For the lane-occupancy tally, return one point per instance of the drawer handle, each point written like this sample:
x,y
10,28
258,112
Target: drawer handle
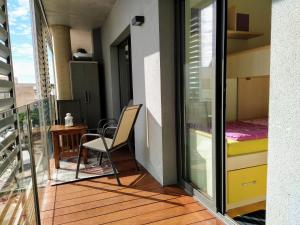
x,y
249,183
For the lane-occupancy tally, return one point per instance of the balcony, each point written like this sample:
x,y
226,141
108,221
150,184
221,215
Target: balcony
x,y
27,196
32,190
140,200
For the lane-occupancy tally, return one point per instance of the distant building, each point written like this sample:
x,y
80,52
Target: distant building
x,y
25,93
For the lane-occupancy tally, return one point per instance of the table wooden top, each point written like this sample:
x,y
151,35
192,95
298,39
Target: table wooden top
x,y
58,128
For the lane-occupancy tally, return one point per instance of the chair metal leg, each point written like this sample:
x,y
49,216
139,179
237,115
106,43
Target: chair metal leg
x,y
78,162
101,157
132,155
114,168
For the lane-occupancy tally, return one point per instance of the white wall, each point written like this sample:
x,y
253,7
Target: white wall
x,y
283,193
81,39
153,80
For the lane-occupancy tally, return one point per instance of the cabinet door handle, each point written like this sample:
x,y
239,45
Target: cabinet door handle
x,y
249,183
86,97
89,96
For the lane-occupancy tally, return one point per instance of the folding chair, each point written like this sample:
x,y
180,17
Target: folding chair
x,y
103,124
121,138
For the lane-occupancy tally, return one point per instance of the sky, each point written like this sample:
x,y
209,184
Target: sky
x,y
21,40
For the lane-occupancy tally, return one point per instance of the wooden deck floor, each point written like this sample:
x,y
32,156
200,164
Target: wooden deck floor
x,y
140,200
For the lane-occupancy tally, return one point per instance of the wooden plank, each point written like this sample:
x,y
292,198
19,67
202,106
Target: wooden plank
x,y
6,207
249,63
96,197
253,97
108,188
145,213
208,222
145,198
104,202
247,209
142,178
189,218
140,200
231,99
231,18
243,35
13,216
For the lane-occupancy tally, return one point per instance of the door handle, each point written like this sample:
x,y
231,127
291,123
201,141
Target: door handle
x,y
89,97
249,183
86,100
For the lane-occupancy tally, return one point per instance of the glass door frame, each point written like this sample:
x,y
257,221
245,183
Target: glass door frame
x,y
218,203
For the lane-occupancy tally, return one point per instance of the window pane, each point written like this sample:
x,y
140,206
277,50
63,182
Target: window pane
x,y
199,74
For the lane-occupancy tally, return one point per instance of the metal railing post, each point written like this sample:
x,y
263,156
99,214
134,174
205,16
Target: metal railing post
x,y
33,171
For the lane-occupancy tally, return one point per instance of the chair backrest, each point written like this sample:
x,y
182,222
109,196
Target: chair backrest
x,y
69,106
126,122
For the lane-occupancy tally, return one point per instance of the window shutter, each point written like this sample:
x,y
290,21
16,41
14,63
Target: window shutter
x,y
8,133
10,160
7,97
41,40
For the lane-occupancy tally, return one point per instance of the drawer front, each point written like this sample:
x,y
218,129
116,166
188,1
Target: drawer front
x,y
246,184
235,148
245,161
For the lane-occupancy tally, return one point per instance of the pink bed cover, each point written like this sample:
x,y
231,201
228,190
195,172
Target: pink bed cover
x,y
247,130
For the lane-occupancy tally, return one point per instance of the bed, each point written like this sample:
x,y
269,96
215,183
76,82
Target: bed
x,y
245,137
246,161
246,145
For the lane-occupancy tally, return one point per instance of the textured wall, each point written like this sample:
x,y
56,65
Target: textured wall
x,y
283,194
62,56
153,79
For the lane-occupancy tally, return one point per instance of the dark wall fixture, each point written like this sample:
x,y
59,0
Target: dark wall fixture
x,y
137,20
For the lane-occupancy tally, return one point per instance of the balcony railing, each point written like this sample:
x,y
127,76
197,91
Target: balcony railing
x,y
24,164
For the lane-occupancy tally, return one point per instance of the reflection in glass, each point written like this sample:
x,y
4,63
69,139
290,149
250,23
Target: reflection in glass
x,y
23,150
16,190
199,28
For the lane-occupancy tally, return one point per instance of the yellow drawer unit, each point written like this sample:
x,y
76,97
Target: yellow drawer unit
x,y
246,185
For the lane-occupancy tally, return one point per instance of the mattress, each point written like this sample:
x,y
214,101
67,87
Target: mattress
x,y
246,137
242,137
241,131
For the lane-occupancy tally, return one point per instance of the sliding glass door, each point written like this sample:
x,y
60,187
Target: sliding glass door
x,y
201,101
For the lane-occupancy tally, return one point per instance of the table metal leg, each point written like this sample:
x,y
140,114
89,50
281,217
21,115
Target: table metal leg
x,y
56,150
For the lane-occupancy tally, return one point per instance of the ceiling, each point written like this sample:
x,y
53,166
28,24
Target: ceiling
x,y
78,14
